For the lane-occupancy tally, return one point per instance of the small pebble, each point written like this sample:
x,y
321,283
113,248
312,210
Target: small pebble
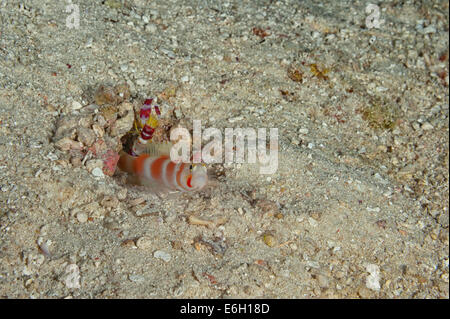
x,y
429,29
313,264
162,255
97,172
269,240
75,161
137,201
52,157
76,105
123,67
427,126
144,243
122,194
72,280
94,163
150,28
136,278
86,136
177,113
66,144
28,283
303,131
197,221
27,271
98,130
363,292
312,222
141,82
169,53
323,281
416,126
82,217
124,124
373,280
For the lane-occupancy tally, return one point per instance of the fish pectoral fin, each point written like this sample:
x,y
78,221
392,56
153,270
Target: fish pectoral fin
x,y
134,180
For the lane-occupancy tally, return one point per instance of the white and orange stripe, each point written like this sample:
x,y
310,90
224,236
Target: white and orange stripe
x,y
160,170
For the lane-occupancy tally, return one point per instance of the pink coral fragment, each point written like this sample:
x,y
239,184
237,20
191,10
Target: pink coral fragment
x,y
110,160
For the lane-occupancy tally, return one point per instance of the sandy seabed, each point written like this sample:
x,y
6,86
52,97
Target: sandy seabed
x,y
358,207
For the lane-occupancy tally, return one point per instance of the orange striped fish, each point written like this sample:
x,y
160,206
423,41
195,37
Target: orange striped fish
x,y
162,174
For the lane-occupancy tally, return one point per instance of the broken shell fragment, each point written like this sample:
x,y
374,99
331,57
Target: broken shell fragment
x,y
269,240
124,124
66,144
105,95
197,221
86,136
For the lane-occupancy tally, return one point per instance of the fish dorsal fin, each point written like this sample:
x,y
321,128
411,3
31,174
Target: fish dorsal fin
x,y
157,149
